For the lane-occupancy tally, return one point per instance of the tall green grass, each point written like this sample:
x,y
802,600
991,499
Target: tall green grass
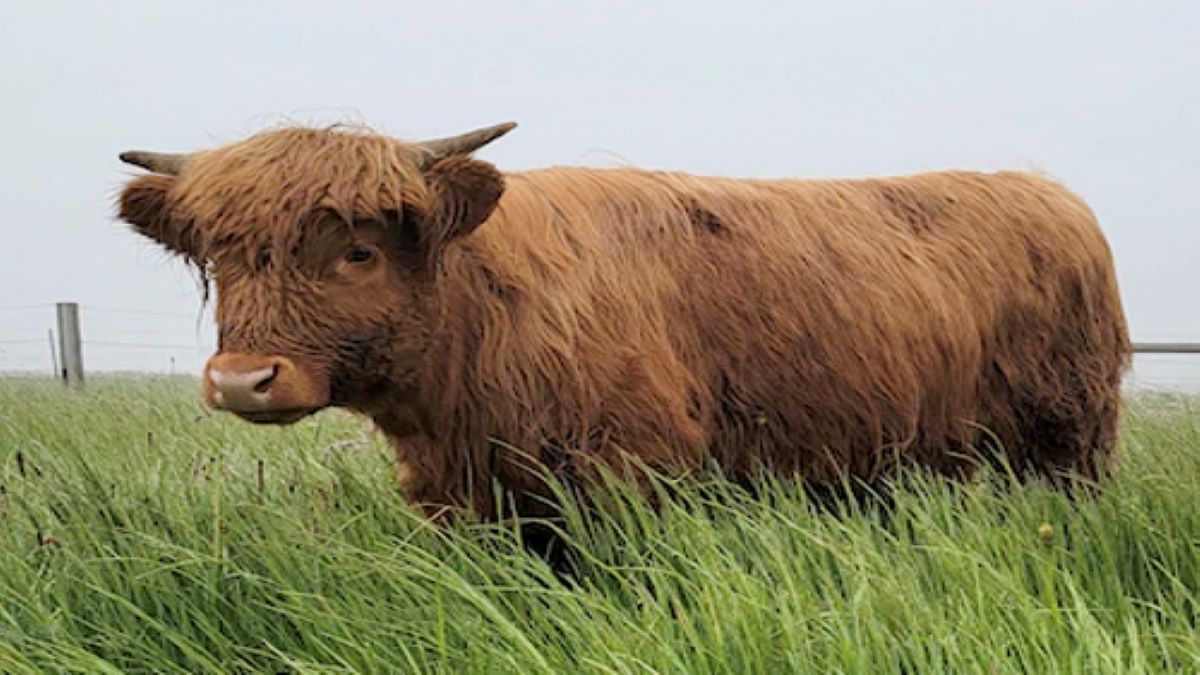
x,y
139,533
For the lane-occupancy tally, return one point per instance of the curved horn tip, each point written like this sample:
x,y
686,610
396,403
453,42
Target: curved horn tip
x,y
499,130
134,157
157,162
466,143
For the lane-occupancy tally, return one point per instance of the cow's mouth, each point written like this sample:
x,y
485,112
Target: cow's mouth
x,y
275,416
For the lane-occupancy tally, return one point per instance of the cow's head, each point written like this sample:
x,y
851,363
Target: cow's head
x,y
323,245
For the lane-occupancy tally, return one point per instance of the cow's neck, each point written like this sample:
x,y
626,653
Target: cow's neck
x,y
465,312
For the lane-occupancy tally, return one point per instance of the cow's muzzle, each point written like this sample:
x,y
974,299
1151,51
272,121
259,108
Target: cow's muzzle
x,y
266,389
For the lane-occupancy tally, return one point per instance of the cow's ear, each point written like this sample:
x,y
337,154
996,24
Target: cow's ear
x,y
143,204
463,193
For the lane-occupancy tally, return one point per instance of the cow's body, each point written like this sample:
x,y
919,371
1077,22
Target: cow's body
x,y
821,328
825,329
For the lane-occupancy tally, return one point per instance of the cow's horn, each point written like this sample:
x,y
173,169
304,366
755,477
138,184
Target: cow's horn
x,y
463,144
158,162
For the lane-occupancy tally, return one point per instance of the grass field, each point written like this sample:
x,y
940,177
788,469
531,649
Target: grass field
x,y
140,534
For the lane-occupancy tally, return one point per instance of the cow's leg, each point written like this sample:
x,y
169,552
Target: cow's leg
x,y
1076,439
425,484
1068,430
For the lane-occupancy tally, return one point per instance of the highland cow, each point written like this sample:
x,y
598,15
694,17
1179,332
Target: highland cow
x,y
498,326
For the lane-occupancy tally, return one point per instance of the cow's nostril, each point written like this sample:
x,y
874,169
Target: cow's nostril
x,y
264,384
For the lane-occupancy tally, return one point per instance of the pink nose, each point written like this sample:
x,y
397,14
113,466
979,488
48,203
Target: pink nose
x,y
244,382
264,388
243,390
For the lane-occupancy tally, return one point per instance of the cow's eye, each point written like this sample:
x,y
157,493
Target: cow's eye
x,y
359,254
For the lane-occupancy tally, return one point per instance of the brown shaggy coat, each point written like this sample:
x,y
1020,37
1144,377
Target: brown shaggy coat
x,y
820,328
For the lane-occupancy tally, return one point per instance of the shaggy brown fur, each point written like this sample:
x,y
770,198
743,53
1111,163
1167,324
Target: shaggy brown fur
x,y
821,328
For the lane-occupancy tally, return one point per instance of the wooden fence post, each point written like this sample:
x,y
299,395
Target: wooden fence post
x,y
70,344
53,352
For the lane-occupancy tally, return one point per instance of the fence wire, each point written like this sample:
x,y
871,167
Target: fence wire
x,y
1176,353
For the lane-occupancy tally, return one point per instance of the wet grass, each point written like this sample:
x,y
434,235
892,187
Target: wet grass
x,y
139,534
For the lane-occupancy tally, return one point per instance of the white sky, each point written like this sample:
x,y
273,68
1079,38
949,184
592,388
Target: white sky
x,y
1103,95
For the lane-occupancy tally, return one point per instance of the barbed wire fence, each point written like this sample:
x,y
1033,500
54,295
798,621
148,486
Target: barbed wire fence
x,y
167,345
114,338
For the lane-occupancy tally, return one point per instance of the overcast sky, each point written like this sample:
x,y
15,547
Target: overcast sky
x,y
1103,95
